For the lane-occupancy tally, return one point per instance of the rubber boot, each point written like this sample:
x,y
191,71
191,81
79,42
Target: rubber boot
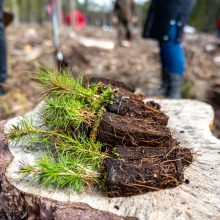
x,y
163,90
174,86
2,91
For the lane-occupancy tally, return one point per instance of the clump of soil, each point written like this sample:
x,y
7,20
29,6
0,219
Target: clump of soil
x,y
133,131
128,104
148,157
214,100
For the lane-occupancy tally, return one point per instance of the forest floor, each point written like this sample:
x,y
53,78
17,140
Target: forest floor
x,y
30,45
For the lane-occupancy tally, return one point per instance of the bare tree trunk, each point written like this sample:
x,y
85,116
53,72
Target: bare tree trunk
x,y
14,4
72,8
28,9
60,12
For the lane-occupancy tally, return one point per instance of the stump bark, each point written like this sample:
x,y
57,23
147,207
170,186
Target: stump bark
x,y
198,198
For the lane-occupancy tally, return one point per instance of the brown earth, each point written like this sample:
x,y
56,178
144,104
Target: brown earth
x,y
144,155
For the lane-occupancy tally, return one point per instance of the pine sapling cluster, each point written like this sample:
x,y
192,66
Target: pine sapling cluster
x,y
67,133
93,134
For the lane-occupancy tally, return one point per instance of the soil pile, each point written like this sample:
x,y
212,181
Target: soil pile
x,y
148,157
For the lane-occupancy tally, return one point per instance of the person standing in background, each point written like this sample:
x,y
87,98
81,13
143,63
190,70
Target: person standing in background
x,y
165,23
124,15
3,52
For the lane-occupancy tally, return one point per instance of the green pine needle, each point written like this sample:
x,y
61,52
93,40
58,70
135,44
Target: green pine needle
x,y
64,111
61,172
70,113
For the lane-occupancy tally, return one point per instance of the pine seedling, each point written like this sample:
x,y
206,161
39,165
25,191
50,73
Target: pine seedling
x,y
61,172
82,147
25,130
60,83
54,83
64,112
70,111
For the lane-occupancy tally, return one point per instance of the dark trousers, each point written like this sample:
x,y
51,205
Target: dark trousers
x,y
172,54
3,53
124,31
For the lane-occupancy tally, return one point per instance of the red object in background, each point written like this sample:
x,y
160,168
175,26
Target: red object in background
x,y
218,22
79,19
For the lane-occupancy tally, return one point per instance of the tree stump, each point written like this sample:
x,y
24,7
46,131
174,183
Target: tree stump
x,y
198,198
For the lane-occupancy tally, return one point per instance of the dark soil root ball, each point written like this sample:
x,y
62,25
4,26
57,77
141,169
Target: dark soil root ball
x,y
129,104
113,83
127,178
138,153
186,155
143,154
153,104
214,94
132,132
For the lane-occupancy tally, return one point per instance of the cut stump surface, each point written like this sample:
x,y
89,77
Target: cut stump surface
x,y
198,198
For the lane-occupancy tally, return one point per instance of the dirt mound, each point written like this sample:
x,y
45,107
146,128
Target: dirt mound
x,y
144,169
145,156
126,178
128,104
132,131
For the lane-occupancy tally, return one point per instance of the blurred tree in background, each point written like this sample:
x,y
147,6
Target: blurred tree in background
x,y
205,14
27,10
203,17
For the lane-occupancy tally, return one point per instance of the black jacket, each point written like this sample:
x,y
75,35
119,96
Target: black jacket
x,y
160,15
